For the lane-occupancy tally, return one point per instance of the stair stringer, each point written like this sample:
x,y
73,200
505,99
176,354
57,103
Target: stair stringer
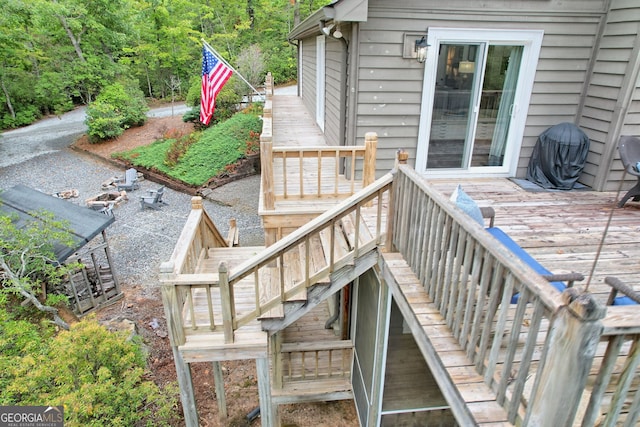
x,y
319,292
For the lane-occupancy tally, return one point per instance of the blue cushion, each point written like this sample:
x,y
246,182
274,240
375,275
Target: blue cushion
x,y
623,301
467,204
524,256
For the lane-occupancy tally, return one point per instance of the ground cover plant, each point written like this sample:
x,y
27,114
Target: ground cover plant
x,y
195,158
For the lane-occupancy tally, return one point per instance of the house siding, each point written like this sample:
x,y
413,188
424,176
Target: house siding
x,y
611,101
390,87
334,97
308,89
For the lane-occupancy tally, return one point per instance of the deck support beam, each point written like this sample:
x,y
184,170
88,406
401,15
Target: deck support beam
x,y
187,394
218,380
268,410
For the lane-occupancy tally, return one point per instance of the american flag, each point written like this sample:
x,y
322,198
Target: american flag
x,y
214,75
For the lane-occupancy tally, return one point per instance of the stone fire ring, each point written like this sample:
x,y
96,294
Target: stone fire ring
x,y
106,198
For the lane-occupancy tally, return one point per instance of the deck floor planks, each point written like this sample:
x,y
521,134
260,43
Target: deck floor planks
x,y
563,229
477,395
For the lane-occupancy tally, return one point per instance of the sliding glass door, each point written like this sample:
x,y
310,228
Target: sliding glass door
x,y
476,93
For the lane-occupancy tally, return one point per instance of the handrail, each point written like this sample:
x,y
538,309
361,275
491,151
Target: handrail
x,y
198,232
277,255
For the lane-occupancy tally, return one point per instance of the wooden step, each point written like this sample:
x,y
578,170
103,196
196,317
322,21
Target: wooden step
x,y
232,256
348,225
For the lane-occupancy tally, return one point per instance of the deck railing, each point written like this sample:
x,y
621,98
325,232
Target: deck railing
x,y
311,172
275,275
315,360
534,354
315,172
198,235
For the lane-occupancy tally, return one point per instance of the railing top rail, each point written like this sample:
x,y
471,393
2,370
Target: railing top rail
x,y
622,320
323,149
525,274
273,252
180,251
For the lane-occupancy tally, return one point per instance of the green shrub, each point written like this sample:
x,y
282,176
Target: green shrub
x,y
118,107
103,121
216,148
24,116
99,376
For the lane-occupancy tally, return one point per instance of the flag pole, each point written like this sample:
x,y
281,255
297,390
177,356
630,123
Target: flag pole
x,y
208,46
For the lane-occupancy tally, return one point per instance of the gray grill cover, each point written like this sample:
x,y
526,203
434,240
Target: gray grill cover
x,y
558,157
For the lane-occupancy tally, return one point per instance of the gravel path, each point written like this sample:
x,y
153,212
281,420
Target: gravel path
x,y
139,240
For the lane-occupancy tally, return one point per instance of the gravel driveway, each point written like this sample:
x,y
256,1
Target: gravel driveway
x,y
139,240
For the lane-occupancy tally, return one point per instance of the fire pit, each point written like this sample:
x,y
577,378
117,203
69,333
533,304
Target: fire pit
x,y
107,199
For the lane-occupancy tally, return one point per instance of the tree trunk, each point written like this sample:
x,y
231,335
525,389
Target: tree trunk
x,y
8,98
74,41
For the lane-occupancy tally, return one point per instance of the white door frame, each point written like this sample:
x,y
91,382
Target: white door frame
x,y
531,40
320,80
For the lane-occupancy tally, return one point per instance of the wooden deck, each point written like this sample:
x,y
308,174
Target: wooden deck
x,y
447,278
302,177
563,229
483,349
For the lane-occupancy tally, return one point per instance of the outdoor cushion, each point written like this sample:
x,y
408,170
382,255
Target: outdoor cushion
x,y
524,256
623,300
467,204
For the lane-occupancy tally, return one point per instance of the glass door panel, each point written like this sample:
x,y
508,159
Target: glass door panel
x,y
453,114
496,105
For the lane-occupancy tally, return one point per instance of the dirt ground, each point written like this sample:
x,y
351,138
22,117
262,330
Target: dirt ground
x,y
240,376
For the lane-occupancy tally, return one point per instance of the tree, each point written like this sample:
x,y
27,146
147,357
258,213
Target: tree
x,y
28,262
118,107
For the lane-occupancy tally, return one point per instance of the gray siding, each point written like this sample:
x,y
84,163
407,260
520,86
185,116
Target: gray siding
x,y
309,74
611,101
390,87
334,96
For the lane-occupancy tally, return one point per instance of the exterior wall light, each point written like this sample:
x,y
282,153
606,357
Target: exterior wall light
x,y
421,49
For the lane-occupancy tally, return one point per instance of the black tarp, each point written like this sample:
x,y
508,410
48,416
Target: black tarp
x,y
558,157
84,223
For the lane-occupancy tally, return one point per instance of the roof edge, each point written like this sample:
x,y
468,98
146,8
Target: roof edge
x,y
338,11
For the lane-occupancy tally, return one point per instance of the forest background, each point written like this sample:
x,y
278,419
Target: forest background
x,y
57,54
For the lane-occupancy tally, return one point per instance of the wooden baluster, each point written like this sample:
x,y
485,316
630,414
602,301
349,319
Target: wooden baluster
x,y
301,172
284,175
212,322
336,189
319,192
352,178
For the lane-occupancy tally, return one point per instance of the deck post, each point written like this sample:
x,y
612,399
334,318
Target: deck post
x,y
569,351
187,393
266,164
369,167
268,410
391,212
172,311
268,83
218,379
226,300
276,357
